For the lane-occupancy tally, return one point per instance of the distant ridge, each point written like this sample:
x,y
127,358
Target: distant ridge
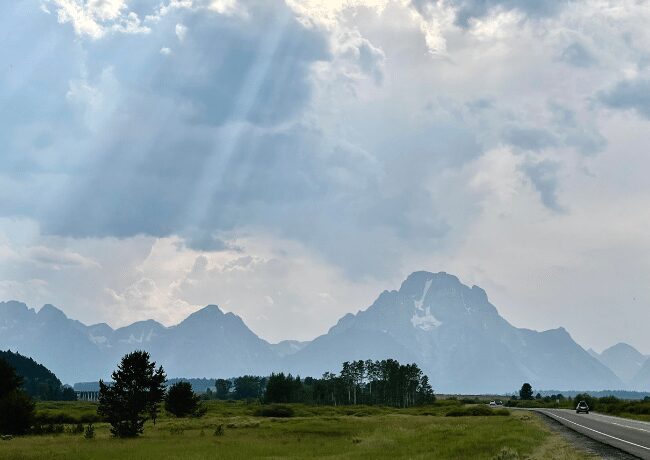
x,y
451,330
625,360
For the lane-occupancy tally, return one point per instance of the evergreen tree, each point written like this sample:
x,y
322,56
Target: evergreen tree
x,y
526,392
9,379
181,401
16,406
68,394
134,395
279,388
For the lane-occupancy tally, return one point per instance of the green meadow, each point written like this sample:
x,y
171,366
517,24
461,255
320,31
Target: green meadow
x,y
232,430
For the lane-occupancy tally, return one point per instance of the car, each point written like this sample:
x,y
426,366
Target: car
x,y
493,404
582,407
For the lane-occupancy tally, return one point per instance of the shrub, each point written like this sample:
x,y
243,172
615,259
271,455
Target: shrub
x,y
176,430
48,429
476,411
219,431
244,424
76,429
182,402
89,433
60,418
274,411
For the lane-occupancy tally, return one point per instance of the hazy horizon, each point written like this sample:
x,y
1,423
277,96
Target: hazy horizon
x,y
290,160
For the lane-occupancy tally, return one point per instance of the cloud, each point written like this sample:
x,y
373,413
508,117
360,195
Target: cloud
x,y
204,241
529,138
543,176
265,120
578,55
94,18
629,95
466,10
56,259
359,51
181,32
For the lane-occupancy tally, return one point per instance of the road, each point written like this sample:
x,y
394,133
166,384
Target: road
x,y
630,436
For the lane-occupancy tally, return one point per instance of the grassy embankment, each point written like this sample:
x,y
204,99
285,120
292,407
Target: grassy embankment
x,y
313,432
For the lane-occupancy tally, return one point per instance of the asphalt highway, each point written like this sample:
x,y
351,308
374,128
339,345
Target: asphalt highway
x,y
630,436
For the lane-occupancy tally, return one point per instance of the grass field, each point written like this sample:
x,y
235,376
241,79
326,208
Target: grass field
x,y
314,432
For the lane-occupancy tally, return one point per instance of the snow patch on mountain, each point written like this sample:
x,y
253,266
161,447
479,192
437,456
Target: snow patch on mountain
x,y
97,339
425,322
418,303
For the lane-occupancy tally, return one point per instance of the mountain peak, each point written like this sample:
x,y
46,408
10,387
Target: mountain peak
x,y
15,309
210,309
50,312
417,279
209,314
625,360
621,347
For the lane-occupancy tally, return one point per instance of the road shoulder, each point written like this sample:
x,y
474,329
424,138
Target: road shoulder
x,y
584,443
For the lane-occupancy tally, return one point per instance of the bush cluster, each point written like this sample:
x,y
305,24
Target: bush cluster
x,y
274,410
476,411
61,418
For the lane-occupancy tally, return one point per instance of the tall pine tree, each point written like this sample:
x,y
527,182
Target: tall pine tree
x,y
134,396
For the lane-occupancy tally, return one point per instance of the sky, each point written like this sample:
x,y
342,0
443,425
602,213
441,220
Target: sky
x,y
290,160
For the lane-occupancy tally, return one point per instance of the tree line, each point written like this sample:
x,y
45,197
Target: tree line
x,y
385,382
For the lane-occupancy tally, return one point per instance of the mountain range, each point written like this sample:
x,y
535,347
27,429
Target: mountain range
x,y
630,365
449,329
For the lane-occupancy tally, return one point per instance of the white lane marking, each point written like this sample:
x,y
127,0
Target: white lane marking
x,y
596,431
639,422
620,424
